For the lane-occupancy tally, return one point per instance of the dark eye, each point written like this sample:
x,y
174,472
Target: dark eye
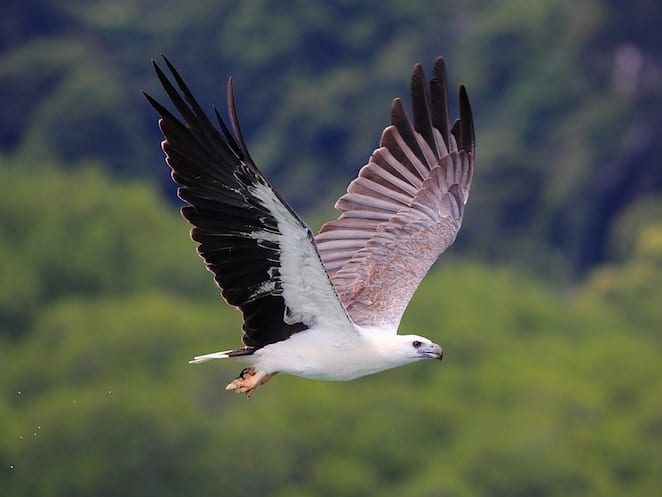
x,y
416,344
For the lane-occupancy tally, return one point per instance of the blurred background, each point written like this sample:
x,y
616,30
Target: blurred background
x,y
549,305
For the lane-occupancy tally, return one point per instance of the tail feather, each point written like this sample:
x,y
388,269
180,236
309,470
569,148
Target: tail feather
x,y
223,355
208,357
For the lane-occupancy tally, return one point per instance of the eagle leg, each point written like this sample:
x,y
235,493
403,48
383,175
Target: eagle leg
x,y
248,381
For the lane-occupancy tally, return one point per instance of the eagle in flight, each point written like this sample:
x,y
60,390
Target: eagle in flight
x,y
323,306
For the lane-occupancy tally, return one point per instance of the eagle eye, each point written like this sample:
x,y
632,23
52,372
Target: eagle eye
x,y
416,344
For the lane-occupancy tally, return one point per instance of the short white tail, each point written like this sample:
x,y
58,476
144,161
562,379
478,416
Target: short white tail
x,y
208,357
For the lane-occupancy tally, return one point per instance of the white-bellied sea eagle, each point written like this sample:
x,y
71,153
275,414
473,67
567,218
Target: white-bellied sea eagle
x,y
326,306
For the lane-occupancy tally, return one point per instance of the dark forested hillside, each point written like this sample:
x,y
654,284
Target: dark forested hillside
x,y
566,97
548,305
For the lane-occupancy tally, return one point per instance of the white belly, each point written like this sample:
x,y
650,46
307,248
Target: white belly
x,y
319,354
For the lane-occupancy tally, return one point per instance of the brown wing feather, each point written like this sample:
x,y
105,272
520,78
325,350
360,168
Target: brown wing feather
x,y
405,207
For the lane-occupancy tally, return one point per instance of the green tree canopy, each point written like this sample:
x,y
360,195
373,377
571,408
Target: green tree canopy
x,y
74,233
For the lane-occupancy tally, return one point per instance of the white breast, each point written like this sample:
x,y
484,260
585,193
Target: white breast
x,y
318,353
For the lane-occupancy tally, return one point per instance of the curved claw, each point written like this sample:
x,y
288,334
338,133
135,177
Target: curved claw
x,y
248,381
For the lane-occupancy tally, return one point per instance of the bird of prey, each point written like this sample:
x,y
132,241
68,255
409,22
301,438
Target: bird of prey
x,y
323,306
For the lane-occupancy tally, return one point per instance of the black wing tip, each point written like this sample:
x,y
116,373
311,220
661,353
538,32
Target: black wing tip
x,y
463,128
431,110
418,70
439,67
157,68
155,64
467,122
397,105
153,102
439,100
171,67
439,75
164,57
234,122
420,100
163,112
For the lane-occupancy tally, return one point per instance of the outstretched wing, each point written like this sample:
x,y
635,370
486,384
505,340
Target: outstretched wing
x,y
405,208
262,255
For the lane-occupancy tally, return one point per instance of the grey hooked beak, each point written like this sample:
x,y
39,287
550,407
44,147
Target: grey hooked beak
x,y
432,351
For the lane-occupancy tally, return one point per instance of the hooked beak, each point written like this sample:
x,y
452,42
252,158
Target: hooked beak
x,y
432,351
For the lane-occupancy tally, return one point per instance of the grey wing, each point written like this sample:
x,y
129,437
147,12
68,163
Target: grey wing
x,y
404,208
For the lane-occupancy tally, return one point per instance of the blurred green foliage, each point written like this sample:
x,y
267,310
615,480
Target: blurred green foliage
x,y
538,394
75,233
566,96
545,390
